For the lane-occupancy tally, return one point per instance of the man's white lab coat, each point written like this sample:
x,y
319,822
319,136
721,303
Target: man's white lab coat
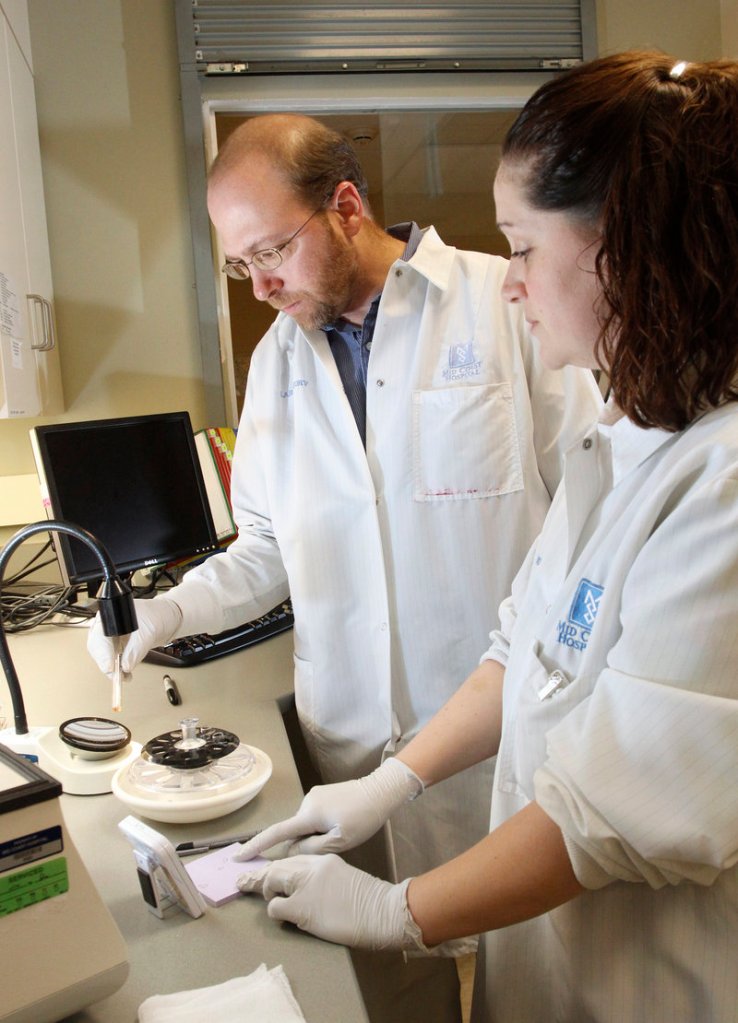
x,y
396,558
631,595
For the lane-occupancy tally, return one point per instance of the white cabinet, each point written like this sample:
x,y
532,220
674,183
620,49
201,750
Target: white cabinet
x,y
30,377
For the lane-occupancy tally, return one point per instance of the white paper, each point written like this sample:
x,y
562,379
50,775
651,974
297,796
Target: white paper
x,y
265,996
11,314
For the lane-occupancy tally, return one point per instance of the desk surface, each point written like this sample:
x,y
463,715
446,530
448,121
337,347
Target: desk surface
x,y
237,692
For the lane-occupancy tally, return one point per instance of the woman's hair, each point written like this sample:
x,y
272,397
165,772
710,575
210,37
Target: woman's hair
x,y
646,150
311,157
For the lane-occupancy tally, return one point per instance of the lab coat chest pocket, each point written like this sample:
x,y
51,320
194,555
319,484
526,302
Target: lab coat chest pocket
x,y
544,695
465,443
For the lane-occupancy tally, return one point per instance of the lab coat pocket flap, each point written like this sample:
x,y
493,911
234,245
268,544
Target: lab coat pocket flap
x,y
465,443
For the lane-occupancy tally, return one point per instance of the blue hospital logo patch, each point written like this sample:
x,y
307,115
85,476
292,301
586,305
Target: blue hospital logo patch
x,y
574,632
462,362
585,604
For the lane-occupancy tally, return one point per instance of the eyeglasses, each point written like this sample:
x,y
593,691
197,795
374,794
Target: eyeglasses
x,y
264,259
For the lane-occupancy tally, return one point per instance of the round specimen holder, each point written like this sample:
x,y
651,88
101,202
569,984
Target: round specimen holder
x,y
92,738
192,773
192,747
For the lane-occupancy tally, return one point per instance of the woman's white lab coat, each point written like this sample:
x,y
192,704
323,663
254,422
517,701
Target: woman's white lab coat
x,y
631,595
396,558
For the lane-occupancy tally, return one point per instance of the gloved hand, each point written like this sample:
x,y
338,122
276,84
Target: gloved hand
x,y
158,621
337,902
335,817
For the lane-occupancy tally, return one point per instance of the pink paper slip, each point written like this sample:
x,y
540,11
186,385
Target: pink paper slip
x,y
216,874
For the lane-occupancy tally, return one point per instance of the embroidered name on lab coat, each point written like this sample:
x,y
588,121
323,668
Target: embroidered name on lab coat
x,y
575,631
295,383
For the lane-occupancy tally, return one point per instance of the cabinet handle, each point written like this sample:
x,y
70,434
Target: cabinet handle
x,y
47,319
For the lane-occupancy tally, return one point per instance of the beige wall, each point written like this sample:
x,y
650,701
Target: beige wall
x,y
111,142
689,29
729,21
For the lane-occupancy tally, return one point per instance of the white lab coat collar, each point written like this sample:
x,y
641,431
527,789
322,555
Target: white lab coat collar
x,y
432,259
630,445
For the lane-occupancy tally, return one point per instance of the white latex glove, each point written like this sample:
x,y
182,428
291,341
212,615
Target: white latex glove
x,y
158,621
337,902
335,817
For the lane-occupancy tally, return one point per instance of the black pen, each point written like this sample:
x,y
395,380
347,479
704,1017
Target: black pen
x,y
192,848
170,688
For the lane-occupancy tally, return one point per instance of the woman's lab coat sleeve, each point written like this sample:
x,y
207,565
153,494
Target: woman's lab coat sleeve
x,y
500,639
249,578
641,776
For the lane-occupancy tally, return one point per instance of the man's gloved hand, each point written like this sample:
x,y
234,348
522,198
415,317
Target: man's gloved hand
x,y
335,817
158,621
329,898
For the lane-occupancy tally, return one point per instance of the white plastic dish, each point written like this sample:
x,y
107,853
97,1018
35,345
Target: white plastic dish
x,y
191,807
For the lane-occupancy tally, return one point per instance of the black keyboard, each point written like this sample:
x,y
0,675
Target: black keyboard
x,y
181,653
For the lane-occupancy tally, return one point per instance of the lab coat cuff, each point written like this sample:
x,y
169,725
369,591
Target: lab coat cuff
x,y
200,609
592,872
498,650
588,872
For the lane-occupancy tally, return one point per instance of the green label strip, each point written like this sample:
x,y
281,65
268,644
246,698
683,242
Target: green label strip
x,y
27,887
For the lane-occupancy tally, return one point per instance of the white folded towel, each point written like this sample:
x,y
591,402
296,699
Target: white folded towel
x,y
263,995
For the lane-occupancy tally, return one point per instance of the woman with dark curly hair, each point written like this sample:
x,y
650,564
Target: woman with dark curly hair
x,y
608,886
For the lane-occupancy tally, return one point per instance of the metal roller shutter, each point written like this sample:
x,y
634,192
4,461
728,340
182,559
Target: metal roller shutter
x,y
251,37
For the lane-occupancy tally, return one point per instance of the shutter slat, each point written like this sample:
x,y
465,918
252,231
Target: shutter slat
x,y
310,36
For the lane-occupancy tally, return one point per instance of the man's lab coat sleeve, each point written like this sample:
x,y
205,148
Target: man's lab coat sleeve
x,y
249,578
641,775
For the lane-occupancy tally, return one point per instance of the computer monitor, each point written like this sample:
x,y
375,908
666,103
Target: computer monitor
x,y
135,483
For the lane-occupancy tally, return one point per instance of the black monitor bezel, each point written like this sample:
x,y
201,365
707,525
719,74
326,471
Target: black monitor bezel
x,y
54,502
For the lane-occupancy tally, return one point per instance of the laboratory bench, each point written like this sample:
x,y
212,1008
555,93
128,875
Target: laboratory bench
x,y
241,692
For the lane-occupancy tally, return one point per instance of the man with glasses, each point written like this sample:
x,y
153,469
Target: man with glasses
x,y
399,447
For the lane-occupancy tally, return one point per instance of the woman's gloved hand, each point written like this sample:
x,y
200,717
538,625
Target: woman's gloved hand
x,y
335,817
329,898
158,621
